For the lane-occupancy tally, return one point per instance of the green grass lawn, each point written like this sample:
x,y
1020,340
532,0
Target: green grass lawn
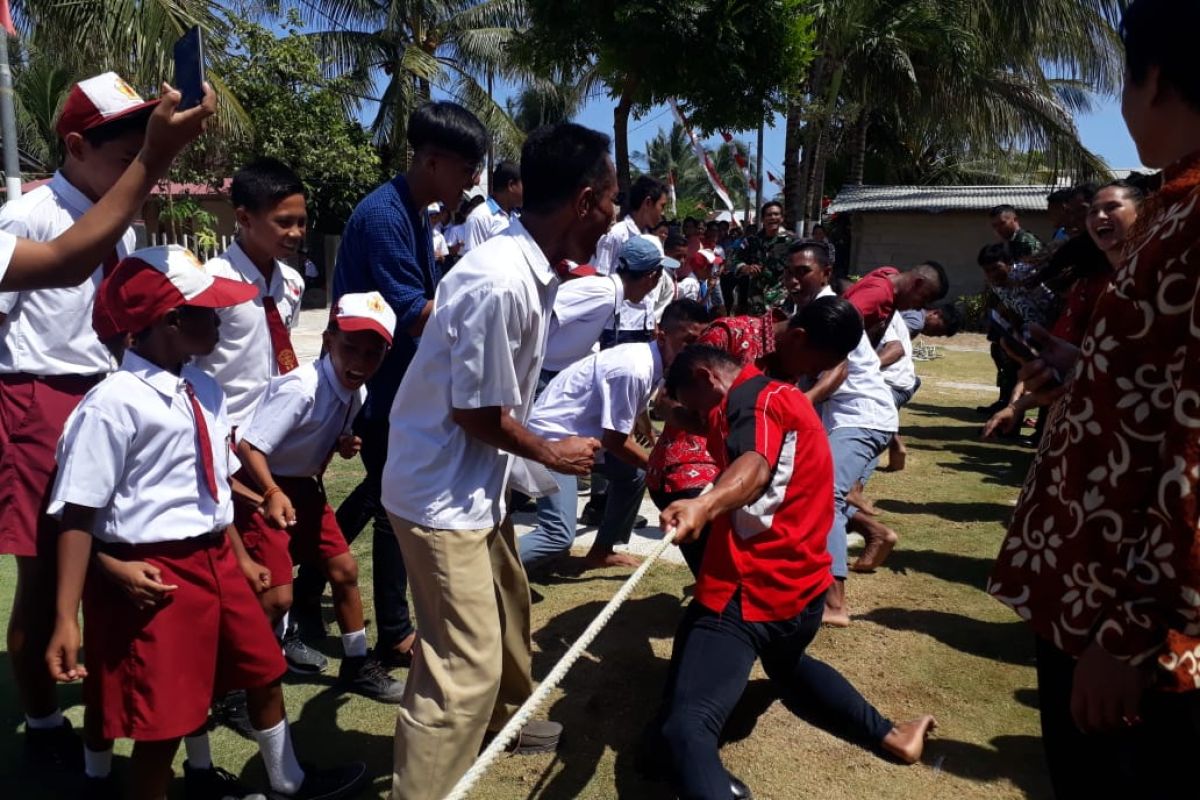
x,y
925,639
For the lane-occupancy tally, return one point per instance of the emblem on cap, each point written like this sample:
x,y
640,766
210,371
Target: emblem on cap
x,y
125,89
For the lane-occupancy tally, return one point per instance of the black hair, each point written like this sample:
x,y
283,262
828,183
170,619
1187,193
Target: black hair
x,y
110,131
1159,33
820,250
1058,196
693,356
662,224
712,225
643,189
934,269
448,126
684,312
818,227
675,240
262,183
559,160
832,324
951,317
1132,191
506,172
769,204
690,221
1003,208
991,253
724,224
1088,190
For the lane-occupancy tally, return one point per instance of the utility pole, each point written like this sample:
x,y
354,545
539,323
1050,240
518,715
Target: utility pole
x,y
491,154
8,125
758,202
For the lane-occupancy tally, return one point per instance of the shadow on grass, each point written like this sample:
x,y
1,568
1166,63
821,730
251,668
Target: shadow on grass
x,y
1018,759
966,414
998,465
950,567
1009,642
954,512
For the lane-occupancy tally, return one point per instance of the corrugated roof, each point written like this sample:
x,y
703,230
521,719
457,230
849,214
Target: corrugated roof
x,y
936,199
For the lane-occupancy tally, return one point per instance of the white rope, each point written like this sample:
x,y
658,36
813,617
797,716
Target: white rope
x,y
539,696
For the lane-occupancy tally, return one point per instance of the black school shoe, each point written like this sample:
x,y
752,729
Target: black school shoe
x,y
231,711
538,736
301,659
58,749
214,783
365,675
327,784
740,790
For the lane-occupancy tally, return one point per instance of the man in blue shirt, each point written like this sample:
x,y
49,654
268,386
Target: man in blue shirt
x,y
387,247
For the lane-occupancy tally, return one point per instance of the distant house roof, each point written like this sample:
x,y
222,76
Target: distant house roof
x,y
936,199
194,189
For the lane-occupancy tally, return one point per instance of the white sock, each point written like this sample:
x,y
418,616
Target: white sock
x,y
97,763
354,644
54,720
281,626
199,754
283,770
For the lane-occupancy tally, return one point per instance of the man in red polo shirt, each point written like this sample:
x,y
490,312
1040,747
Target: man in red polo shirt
x,y
762,582
884,291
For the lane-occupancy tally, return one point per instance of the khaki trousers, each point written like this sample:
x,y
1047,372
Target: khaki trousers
x,y
471,665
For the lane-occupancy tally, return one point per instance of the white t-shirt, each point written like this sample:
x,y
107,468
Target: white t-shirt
x,y
243,362
903,373
663,295
301,417
605,391
863,400
482,347
8,243
49,331
485,221
583,309
129,450
440,248
609,246
692,288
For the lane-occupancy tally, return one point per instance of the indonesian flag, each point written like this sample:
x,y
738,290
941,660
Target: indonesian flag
x,y
771,177
671,192
742,161
6,18
710,169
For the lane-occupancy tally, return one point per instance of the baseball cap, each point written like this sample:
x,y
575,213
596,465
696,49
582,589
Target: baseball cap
x,y
644,253
100,100
365,311
580,270
150,282
704,258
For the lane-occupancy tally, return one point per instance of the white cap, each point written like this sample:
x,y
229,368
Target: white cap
x,y
365,311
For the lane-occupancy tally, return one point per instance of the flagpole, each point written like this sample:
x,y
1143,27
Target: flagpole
x,y
758,203
8,125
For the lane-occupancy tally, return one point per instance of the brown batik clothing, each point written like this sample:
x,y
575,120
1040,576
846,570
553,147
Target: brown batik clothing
x,y
1104,542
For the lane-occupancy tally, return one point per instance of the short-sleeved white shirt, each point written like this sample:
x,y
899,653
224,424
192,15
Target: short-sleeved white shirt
x,y
300,418
49,331
901,374
864,399
129,450
605,391
709,296
485,221
244,361
609,246
583,309
8,243
482,347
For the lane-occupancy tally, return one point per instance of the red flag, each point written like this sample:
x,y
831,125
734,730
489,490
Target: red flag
x,y
6,18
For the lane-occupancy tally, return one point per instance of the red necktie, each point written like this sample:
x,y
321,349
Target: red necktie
x,y
281,343
203,443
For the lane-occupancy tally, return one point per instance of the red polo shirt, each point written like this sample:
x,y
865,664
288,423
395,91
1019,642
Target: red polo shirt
x,y
773,550
875,298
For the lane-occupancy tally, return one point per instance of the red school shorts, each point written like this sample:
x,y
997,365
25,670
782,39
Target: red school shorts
x,y
33,412
314,539
153,674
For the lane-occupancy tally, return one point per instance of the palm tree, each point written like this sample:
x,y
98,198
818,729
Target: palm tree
x,y
40,86
543,103
670,154
456,46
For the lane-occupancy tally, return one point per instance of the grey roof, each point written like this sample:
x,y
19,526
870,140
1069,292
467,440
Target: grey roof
x,y
936,199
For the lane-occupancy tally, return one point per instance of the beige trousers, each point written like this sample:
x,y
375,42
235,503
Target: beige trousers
x,y
471,665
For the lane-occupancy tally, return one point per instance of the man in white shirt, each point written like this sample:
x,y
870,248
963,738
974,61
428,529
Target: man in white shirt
x,y
702,284
647,200
492,216
602,396
457,421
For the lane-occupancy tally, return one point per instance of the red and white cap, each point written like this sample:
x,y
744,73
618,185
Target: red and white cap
x,y
365,311
704,258
100,100
150,282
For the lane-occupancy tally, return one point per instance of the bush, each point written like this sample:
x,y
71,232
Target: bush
x,y
973,308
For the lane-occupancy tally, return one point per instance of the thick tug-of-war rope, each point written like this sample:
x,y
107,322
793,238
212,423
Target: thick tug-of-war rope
x,y
509,732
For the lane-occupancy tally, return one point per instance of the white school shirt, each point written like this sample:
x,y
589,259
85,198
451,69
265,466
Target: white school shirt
x,y
605,391
49,331
482,347
244,361
583,309
8,243
129,451
440,248
863,400
609,246
902,374
485,221
710,297
301,417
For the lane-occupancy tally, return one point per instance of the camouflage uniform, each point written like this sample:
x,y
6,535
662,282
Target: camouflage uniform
x,y
754,294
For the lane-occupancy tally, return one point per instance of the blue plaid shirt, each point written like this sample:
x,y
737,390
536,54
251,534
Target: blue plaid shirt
x,y
388,247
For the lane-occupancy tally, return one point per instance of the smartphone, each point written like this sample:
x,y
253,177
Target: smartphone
x,y
1000,330
189,67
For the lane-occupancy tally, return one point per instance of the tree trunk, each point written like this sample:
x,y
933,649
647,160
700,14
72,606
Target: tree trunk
x,y
621,139
858,158
793,179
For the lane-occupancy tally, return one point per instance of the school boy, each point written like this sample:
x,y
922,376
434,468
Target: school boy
x,y
144,473
302,419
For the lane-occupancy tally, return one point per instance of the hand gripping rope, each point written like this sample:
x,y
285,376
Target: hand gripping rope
x,y
539,696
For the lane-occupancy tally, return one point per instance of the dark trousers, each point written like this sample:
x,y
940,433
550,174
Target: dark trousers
x,y
1148,761
1006,372
693,552
710,665
388,576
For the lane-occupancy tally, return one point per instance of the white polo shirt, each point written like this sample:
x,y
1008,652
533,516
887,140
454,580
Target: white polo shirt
x,y
8,243
609,246
301,417
583,309
49,331
863,400
605,391
482,347
903,373
485,221
244,360
129,450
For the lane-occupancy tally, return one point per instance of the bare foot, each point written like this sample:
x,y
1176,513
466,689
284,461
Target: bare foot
x,y
835,617
897,455
881,540
836,613
602,560
855,498
906,741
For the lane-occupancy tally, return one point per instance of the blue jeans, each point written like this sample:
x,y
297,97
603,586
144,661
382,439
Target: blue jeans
x,y
900,397
853,450
555,531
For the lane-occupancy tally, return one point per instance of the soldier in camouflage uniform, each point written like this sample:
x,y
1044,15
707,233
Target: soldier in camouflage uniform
x,y
759,264
1007,225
